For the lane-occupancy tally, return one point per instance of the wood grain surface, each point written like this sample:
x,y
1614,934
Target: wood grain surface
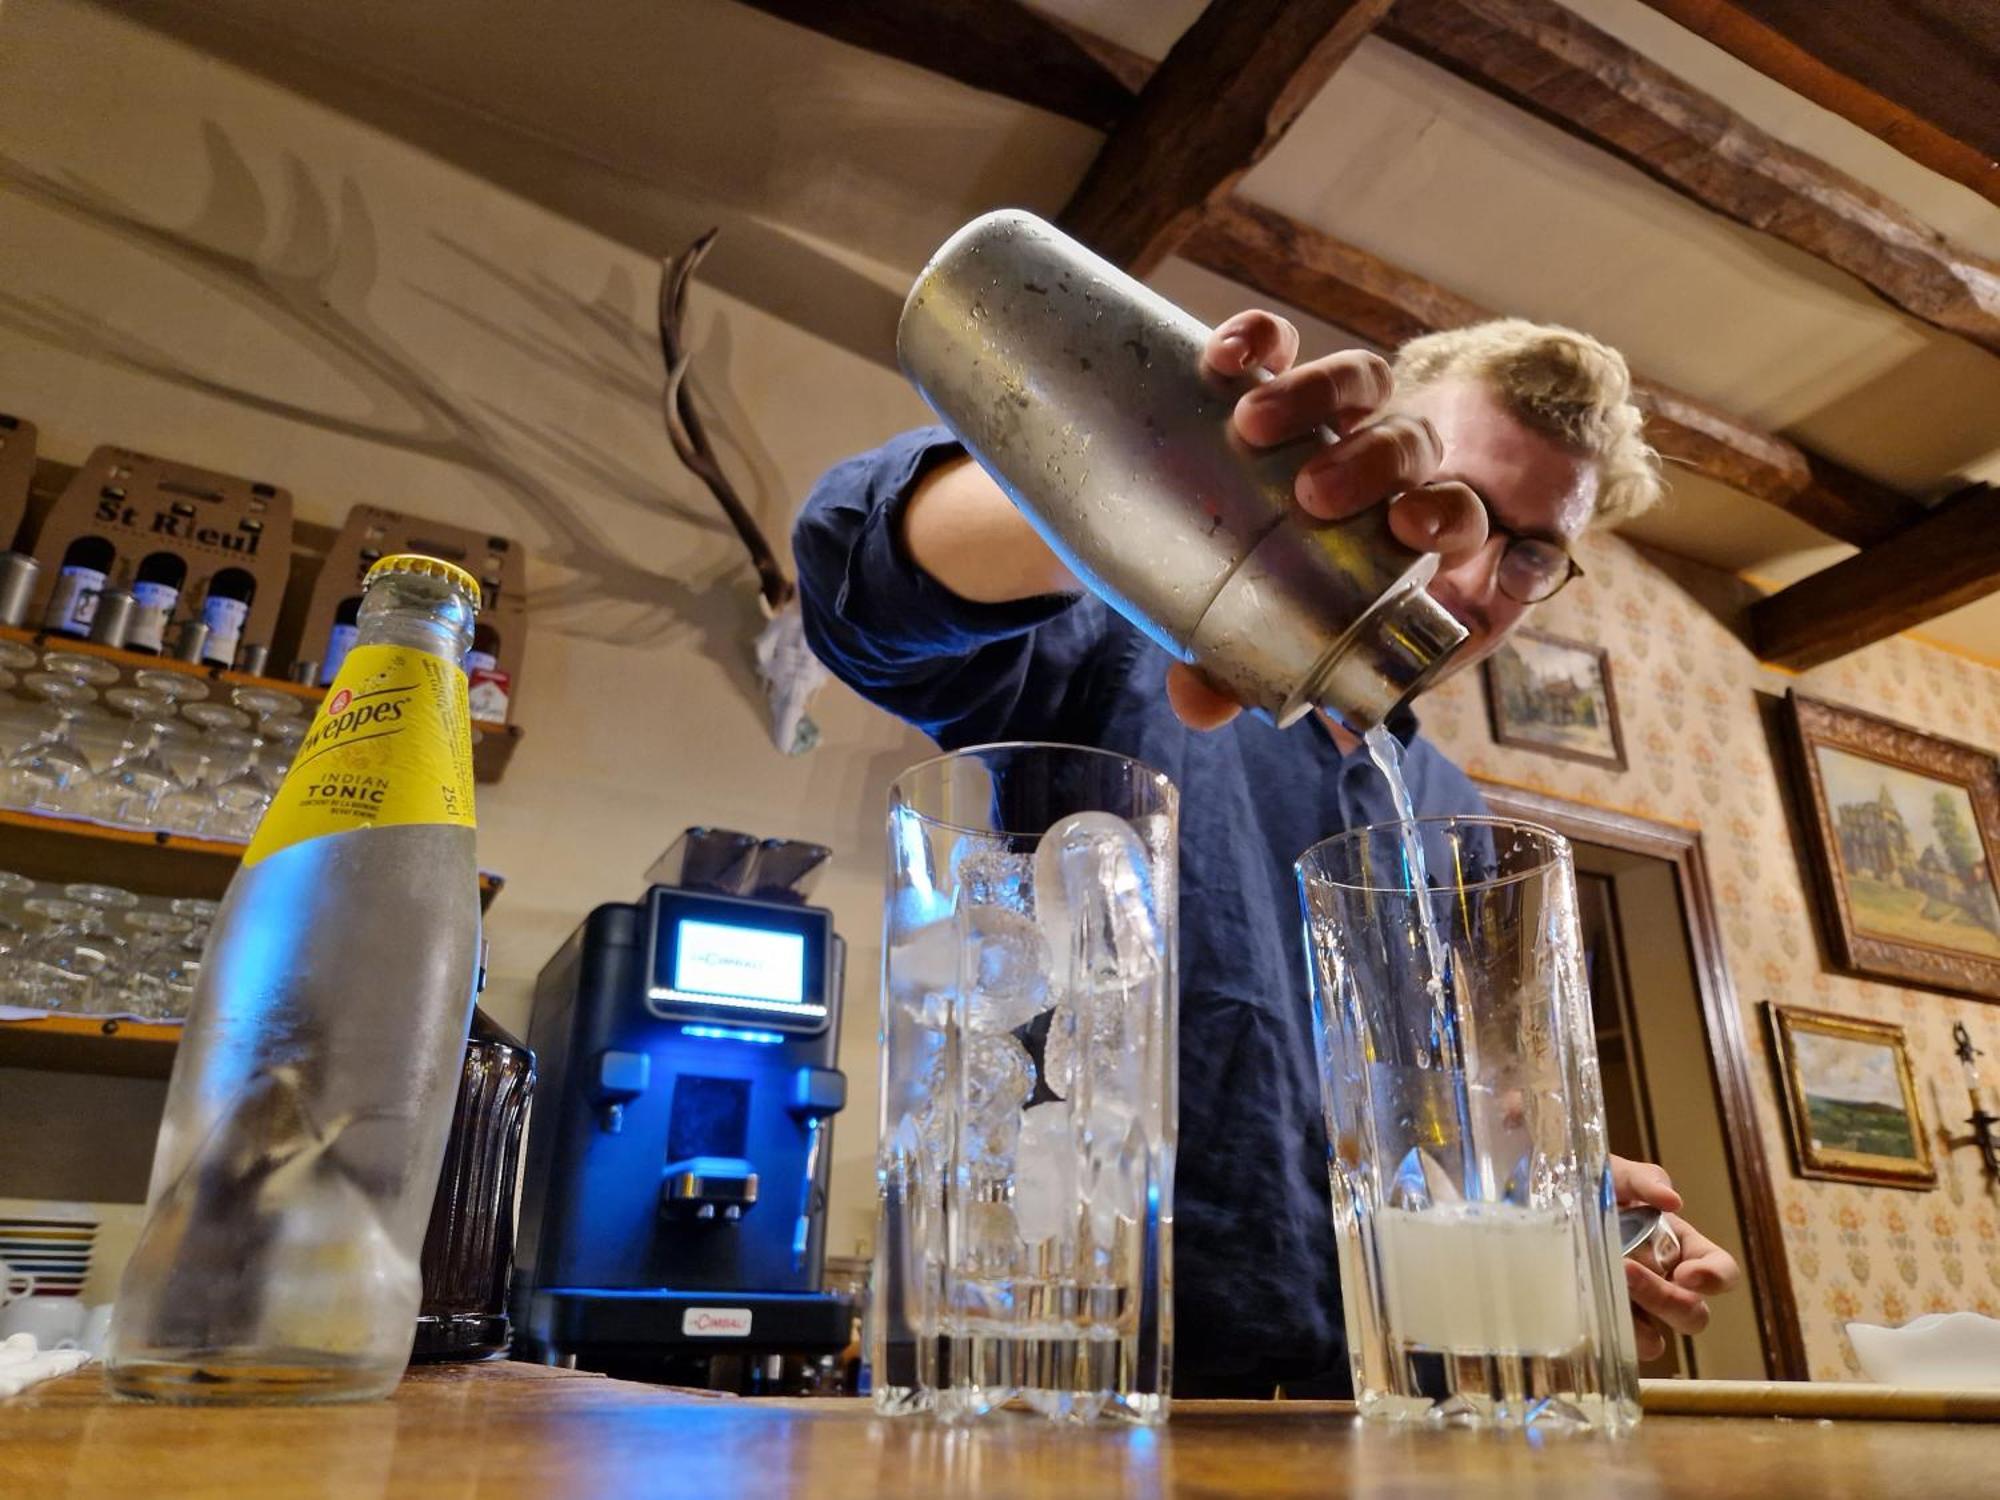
x,y
514,1432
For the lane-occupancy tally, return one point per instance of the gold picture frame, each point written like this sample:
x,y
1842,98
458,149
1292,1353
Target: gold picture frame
x,y
1902,896
1851,1100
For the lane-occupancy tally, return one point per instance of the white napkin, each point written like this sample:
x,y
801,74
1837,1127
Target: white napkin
x,y
24,1363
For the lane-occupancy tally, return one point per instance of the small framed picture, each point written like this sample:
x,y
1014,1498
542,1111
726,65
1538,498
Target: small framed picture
x,y
1553,695
1901,831
1850,1099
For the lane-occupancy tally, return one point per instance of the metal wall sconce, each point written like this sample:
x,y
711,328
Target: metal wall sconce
x,y
1983,1122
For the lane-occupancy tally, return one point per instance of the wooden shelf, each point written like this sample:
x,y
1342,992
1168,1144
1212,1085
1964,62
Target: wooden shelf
x,y
85,1044
492,743
147,864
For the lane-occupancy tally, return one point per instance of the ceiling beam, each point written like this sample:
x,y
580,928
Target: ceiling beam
x,y
1945,561
1551,62
1219,101
995,45
1297,263
1917,74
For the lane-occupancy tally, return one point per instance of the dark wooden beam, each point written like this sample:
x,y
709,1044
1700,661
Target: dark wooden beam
x,y
1278,256
1219,101
1945,561
996,45
1919,74
1548,60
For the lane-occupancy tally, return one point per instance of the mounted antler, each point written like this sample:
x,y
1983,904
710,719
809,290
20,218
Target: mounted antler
x,y
690,438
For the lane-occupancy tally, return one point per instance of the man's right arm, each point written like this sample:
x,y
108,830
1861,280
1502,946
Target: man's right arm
x,y
922,588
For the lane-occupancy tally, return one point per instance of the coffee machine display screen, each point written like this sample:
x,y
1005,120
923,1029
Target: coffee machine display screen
x,y
750,963
714,957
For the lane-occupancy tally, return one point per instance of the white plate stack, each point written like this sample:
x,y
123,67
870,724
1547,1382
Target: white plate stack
x,y
52,1245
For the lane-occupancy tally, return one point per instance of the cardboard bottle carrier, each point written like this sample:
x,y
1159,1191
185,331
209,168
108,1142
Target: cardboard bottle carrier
x,y
371,532
211,521
17,472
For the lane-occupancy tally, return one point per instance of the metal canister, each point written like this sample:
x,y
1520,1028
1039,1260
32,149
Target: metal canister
x,y
252,659
192,640
18,573
115,609
1082,392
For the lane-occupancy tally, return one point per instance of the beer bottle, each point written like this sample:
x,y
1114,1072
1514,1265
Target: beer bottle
x,y
312,1093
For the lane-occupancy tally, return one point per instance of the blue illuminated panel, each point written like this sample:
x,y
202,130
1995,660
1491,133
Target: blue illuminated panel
x,y
717,959
743,963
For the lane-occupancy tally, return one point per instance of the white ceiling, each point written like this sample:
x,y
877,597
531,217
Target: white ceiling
x,y
816,154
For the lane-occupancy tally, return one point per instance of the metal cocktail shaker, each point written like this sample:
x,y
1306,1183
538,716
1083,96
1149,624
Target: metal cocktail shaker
x,y
1082,392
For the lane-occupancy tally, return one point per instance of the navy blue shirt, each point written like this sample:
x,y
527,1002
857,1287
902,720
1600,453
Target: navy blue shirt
x,y
1257,1297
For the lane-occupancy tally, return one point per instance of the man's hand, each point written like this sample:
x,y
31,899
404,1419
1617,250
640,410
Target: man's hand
x,y
1380,457
1679,1300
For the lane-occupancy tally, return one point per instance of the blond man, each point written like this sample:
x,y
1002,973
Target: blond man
x,y
923,587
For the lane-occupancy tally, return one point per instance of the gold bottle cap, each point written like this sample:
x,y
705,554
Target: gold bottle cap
x,y
429,567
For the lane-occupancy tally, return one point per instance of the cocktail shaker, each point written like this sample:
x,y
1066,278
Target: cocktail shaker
x,y
1082,392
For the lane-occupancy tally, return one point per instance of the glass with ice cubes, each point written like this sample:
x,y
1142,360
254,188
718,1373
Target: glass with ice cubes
x,y
1028,1088
1473,1213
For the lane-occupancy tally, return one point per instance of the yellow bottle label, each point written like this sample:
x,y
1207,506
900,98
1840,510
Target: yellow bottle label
x,y
392,743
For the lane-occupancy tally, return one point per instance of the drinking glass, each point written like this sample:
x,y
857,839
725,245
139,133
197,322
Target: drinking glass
x,y
1473,1211
43,774
191,808
160,971
56,967
99,905
130,788
1028,1100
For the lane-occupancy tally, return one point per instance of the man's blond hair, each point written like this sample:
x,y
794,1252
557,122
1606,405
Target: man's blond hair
x,y
1559,382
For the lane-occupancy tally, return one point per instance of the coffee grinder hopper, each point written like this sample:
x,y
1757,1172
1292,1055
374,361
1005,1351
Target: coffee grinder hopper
x,y
740,864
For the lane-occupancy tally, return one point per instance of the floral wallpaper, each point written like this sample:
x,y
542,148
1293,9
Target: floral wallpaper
x,y
1688,694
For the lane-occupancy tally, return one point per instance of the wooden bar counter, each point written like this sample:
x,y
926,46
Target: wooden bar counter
x,y
501,1430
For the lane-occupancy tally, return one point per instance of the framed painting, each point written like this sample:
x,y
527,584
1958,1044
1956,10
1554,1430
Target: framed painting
x,y
1554,695
1850,1099
1901,829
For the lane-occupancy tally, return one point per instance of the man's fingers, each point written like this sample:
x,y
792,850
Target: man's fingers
x,y
1382,459
1446,518
1194,702
1648,1335
1682,1310
1249,340
1642,1182
1340,391
1704,1267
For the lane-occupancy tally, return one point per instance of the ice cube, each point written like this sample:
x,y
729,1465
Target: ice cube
x,y
987,873
1094,900
924,962
1108,1026
1114,1166
1006,968
988,1145
1045,1174
999,1076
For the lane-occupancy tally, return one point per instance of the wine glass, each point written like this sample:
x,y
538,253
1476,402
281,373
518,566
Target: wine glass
x,y
44,774
58,965
190,807
160,968
130,788
242,794
99,904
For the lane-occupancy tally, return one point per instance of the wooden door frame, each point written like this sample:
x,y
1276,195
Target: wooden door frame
x,y
1769,1271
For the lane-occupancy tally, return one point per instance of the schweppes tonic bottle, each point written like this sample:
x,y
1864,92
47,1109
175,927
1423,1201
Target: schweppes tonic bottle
x,y
313,1091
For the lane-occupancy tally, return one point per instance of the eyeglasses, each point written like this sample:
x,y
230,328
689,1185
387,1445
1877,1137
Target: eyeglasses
x,y
1532,569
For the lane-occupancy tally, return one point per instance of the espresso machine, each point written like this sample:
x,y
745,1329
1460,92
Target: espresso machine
x,y
674,1200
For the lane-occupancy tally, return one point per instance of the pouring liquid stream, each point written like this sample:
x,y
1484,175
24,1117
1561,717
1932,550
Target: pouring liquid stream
x,y
1447,1049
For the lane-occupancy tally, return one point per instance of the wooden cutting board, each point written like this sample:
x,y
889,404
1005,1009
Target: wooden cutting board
x,y
1799,1398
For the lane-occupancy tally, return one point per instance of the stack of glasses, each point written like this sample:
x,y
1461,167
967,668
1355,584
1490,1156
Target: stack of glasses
x,y
95,950
156,753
